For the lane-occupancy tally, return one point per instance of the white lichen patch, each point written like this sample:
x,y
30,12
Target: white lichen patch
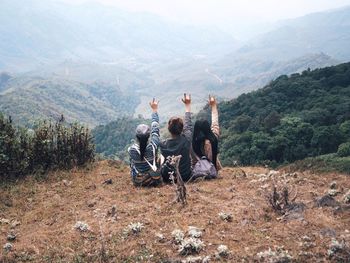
x,y
346,197
81,226
194,232
277,255
335,247
133,228
306,242
178,236
8,247
222,251
206,259
225,216
333,192
190,246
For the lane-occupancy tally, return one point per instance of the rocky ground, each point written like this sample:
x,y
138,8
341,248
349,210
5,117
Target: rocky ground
x,y
96,215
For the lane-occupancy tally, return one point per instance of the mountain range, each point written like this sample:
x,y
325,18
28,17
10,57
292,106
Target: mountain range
x,y
90,49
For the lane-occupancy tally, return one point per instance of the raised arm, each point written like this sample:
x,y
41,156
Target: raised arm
x,y
214,116
155,123
187,131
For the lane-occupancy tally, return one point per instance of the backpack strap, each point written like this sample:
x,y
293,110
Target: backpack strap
x,y
152,166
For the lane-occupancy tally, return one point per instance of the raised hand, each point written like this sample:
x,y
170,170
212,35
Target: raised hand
x,y
187,101
154,104
212,101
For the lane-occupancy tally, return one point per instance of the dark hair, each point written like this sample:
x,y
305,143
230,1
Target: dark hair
x,y
175,125
143,139
202,132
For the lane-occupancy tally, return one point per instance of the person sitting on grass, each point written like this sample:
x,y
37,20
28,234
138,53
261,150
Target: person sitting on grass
x,y
178,144
205,138
143,153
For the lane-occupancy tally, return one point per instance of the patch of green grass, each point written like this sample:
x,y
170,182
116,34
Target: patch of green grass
x,y
324,163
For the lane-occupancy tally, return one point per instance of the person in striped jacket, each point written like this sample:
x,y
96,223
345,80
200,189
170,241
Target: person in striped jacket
x,y
143,153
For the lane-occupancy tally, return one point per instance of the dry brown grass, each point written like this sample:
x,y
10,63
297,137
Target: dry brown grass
x,y
49,209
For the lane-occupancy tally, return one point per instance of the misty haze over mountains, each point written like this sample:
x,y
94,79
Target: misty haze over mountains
x,y
51,48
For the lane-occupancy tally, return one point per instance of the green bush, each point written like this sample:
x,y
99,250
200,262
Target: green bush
x,y
48,146
344,149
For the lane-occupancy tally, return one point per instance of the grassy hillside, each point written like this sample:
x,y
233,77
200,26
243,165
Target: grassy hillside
x,y
293,117
27,99
44,216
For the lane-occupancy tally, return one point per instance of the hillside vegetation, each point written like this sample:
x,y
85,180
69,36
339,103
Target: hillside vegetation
x,y
113,138
291,118
27,99
48,146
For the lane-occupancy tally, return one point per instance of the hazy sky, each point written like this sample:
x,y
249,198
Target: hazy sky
x,y
226,14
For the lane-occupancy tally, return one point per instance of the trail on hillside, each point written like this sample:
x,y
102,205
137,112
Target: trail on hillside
x,y
214,75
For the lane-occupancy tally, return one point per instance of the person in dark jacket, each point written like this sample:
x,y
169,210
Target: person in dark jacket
x,y
206,137
179,143
143,153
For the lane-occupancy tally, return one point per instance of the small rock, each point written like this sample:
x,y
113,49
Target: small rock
x,y
333,185
11,237
108,181
8,247
103,173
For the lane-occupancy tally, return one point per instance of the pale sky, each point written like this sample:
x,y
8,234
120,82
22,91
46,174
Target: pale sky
x,y
225,12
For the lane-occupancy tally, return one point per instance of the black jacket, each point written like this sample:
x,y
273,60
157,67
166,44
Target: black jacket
x,y
181,146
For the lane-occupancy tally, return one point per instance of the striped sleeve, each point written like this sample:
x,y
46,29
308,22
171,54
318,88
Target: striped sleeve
x,y
155,130
215,122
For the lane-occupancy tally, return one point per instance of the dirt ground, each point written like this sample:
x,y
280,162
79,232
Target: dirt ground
x,y
42,214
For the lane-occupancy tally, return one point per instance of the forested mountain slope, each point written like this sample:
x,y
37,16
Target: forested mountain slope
x,y
291,118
